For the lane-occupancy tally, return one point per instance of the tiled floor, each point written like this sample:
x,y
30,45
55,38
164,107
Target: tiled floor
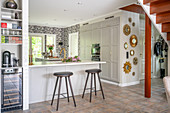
x,y
118,100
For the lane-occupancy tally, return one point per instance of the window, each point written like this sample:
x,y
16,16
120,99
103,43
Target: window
x,y
51,40
73,44
38,44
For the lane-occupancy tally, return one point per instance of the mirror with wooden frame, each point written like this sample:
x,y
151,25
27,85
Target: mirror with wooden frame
x,y
133,41
125,45
127,67
132,52
135,61
126,29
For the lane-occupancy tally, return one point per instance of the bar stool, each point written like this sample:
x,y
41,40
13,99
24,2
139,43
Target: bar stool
x,y
93,72
60,75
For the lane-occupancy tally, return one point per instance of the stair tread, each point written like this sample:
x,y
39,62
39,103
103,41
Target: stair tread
x,y
160,7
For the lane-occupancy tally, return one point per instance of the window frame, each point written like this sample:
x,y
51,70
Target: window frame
x,y
43,41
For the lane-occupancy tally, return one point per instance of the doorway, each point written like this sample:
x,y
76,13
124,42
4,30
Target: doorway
x,y
73,44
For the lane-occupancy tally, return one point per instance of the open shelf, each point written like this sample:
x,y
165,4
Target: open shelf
x,y
12,29
15,20
11,10
12,35
10,44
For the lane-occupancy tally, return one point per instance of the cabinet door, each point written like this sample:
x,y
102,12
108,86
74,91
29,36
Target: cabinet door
x,y
82,53
82,38
96,36
115,35
106,73
105,53
88,53
106,36
88,38
114,71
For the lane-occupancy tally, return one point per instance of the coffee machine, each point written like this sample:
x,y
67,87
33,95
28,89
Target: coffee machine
x,y
9,59
6,59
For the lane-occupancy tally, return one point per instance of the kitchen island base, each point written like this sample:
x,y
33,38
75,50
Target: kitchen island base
x,y
42,80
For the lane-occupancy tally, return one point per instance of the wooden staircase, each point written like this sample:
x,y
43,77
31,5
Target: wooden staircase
x,y
161,9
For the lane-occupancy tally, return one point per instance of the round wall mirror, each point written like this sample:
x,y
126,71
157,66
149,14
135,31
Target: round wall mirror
x,y
132,52
135,61
126,29
133,40
130,20
127,67
126,45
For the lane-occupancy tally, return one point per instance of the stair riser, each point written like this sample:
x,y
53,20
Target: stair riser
x,y
166,27
163,18
168,36
159,7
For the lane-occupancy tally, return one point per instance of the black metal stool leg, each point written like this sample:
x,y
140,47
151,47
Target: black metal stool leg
x,y
101,85
59,93
91,87
85,85
95,83
54,90
72,91
67,89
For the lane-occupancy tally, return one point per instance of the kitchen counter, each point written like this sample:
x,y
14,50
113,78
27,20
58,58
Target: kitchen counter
x,y
42,80
60,63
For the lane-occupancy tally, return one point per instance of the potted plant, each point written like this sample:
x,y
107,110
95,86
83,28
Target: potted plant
x,y
51,47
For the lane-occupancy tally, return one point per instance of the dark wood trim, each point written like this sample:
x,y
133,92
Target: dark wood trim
x,y
133,8
163,18
160,7
166,27
152,1
168,36
147,57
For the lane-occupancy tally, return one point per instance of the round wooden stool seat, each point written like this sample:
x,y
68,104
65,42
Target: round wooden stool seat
x,y
93,70
63,74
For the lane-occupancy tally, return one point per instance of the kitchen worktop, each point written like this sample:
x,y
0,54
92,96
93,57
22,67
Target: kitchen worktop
x,y
60,63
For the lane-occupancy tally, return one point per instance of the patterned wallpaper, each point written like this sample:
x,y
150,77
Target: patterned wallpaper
x,y
69,30
62,34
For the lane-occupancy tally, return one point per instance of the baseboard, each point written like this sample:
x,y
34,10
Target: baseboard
x,y
129,84
110,82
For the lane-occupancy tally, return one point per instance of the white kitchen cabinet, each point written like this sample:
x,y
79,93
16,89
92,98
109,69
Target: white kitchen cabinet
x,y
107,34
87,53
85,44
106,71
96,36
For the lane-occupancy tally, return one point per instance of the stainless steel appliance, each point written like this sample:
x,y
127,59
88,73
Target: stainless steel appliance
x,y
11,93
6,59
95,52
9,59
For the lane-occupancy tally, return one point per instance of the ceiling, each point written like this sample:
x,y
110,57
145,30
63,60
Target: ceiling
x,y
63,13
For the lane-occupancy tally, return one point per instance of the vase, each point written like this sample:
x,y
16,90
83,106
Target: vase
x,y
11,4
51,52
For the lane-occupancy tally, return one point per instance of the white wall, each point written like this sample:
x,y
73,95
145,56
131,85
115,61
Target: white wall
x,y
128,79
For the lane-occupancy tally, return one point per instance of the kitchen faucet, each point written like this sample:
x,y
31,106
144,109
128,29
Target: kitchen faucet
x,y
63,49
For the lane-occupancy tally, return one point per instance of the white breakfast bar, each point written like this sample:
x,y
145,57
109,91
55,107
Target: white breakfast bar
x,y
42,81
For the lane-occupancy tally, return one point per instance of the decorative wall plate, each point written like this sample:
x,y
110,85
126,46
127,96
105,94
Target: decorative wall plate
x,y
132,52
126,45
127,67
133,40
126,29
135,61
133,74
130,20
133,24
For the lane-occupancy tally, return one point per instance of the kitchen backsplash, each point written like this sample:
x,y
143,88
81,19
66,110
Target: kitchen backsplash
x,y
62,34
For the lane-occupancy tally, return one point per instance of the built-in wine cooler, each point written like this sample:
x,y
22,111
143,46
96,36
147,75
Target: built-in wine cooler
x,y
11,89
